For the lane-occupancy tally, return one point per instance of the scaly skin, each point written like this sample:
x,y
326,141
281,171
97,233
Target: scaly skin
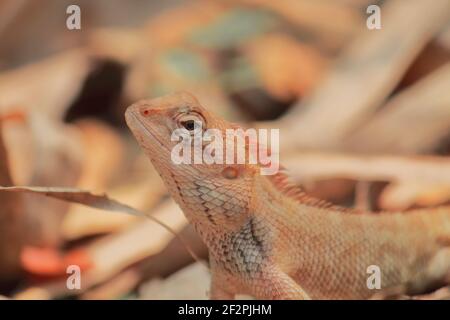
x,y
270,241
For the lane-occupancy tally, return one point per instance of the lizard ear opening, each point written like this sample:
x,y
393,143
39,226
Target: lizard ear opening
x,y
230,173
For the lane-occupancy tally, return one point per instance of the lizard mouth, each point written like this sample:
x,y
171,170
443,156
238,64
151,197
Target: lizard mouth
x,y
151,141
140,130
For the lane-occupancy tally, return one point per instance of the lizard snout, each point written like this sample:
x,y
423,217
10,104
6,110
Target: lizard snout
x,y
139,109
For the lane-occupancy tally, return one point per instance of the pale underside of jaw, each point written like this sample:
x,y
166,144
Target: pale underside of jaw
x,y
138,127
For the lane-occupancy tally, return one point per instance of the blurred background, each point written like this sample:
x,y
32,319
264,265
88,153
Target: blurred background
x,y
364,116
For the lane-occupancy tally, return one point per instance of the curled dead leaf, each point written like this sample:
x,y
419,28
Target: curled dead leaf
x,y
99,201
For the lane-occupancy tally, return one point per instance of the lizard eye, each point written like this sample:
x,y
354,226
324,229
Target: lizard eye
x,y
191,122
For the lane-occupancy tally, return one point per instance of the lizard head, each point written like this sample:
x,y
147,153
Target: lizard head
x,y
208,191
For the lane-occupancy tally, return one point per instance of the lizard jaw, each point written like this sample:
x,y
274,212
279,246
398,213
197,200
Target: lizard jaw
x,y
141,131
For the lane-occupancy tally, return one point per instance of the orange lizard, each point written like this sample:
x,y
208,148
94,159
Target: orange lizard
x,y
266,238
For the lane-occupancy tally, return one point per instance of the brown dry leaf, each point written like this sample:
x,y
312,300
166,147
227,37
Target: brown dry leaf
x,y
168,64
80,222
362,196
47,86
140,187
414,121
433,195
104,154
174,256
338,191
118,44
172,26
58,151
192,282
115,288
333,22
16,136
425,170
423,181
440,294
431,58
8,12
42,152
171,259
405,194
444,37
288,68
57,157
112,254
344,100
157,72
11,222
32,293
99,201
143,239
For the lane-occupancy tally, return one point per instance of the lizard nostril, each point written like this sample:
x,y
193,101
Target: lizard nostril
x,y
145,112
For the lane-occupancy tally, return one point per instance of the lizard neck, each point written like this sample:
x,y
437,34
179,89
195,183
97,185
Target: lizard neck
x,y
212,206
278,202
270,200
289,194
220,209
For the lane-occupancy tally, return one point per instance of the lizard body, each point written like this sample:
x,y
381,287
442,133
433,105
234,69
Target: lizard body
x,y
268,239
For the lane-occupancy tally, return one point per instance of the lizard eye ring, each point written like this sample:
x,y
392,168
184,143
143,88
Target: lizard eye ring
x,y
192,122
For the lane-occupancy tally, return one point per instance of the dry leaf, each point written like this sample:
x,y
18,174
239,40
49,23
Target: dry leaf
x,y
11,223
47,86
173,26
57,160
423,181
364,75
332,22
78,196
103,154
288,68
115,288
141,187
118,44
191,282
143,239
414,121
110,255
405,194
425,170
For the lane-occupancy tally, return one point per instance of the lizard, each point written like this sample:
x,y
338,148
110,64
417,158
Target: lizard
x,y
267,238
